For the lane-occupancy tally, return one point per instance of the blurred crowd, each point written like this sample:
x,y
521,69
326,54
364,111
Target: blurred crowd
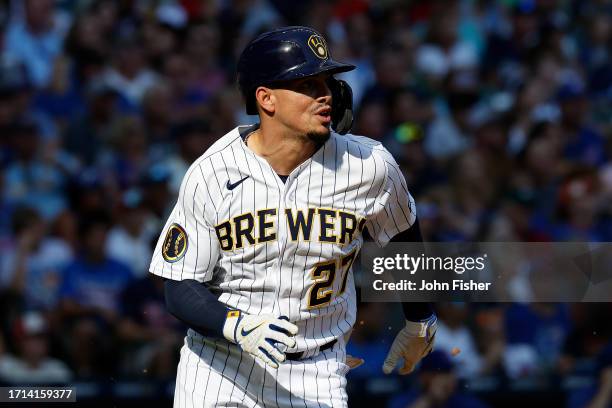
x,y
498,112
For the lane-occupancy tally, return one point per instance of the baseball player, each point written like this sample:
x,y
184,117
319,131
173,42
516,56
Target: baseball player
x,y
258,251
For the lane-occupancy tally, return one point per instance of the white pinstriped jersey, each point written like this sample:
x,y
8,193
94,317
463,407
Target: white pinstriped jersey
x,y
284,248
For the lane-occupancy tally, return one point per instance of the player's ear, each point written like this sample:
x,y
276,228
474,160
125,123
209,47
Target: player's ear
x,y
266,99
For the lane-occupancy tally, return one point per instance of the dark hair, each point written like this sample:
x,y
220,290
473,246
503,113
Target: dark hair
x,y
92,220
535,133
22,218
189,127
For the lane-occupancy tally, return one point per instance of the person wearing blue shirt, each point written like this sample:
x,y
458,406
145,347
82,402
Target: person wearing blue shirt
x,y
438,387
93,283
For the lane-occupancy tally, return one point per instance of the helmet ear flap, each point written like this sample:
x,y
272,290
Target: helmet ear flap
x,y
342,105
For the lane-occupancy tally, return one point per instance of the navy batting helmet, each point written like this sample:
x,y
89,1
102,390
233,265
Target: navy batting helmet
x,y
284,54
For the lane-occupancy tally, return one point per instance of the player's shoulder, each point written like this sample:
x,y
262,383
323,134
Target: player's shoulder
x,y
365,143
223,144
368,148
203,169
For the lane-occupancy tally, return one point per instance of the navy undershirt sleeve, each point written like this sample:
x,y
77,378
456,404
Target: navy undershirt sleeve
x,y
412,234
414,311
195,305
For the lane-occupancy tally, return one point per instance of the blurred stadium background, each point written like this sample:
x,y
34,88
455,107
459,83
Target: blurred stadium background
x,y
499,112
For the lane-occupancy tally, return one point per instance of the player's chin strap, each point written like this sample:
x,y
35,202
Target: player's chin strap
x,y
342,105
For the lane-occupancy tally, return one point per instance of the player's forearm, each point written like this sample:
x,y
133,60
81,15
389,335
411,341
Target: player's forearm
x,y
193,304
417,311
422,310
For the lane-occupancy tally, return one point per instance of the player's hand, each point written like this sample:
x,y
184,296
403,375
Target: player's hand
x,y
412,343
263,336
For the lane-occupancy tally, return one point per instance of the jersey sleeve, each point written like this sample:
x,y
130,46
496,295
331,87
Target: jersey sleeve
x,y
394,210
187,247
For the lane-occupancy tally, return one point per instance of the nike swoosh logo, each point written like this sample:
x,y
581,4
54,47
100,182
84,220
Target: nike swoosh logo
x,y
246,333
231,186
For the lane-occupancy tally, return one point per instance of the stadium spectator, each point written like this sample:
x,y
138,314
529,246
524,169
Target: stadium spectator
x,y
93,282
129,241
31,179
442,50
2,344
33,265
87,135
202,48
32,365
91,299
498,112
582,143
158,114
438,387
126,160
598,395
453,333
535,333
149,334
36,38
450,131
359,51
189,98
156,193
129,74
588,337
190,137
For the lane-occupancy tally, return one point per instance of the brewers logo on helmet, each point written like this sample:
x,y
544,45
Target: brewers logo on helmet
x,y
317,45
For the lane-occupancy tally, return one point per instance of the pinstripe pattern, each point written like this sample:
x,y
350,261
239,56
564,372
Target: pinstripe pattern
x,y
244,390
352,174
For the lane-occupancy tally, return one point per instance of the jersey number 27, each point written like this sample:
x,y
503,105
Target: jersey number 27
x,y
323,274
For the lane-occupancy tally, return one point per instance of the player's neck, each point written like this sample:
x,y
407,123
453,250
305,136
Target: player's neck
x,y
283,152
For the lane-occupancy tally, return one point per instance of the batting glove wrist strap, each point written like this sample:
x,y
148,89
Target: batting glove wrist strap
x,y
231,323
264,336
424,328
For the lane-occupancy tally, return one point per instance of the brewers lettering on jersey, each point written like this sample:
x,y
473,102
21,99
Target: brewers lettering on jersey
x,y
273,231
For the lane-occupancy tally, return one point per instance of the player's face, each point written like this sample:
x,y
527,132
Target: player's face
x,y
304,106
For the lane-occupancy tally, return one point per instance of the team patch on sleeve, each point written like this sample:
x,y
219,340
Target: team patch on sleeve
x,y
175,243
